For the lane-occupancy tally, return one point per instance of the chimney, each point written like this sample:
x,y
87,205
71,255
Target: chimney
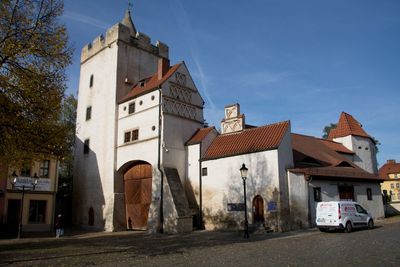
x,y
391,161
163,67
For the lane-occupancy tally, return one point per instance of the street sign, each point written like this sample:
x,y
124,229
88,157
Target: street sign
x,y
235,207
44,184
272,207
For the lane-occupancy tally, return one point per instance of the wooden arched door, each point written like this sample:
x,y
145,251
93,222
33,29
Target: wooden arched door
x,y
258,209
137,187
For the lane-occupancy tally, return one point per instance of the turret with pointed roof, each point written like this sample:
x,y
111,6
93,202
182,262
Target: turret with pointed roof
x,y
127,21
350,133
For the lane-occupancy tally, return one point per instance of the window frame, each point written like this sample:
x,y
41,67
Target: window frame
x,y
369,193
131,108
317,194
91,80
34,206
88,113
86,146
26,169
44,168
204,171
131,136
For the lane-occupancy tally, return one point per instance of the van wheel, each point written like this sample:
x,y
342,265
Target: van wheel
x,y
370,224
348,228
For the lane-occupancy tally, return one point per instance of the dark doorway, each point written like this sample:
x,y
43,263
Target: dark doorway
x,y
346,192
258,209
137,186
13,213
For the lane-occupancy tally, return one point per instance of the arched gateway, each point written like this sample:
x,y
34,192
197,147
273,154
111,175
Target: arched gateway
x,y
137,189
258,209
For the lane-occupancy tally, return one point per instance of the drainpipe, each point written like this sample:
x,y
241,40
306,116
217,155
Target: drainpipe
x,y
161,217
200,222
308,178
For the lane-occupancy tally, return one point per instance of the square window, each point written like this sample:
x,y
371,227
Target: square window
x,y
86,146
135,135
317,194
88,113
127,137
131,108
369,194
44,168
204,171
37,211
392,186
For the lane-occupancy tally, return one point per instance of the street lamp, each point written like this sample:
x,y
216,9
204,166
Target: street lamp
x,y
243,173
13,181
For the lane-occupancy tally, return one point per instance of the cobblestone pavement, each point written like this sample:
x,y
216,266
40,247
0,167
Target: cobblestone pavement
x,y
206,248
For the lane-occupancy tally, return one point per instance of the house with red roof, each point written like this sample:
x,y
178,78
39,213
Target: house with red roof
x,y
390,173
145,160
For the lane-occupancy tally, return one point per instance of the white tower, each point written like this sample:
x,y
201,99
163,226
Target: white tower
x,y
350,133
110,66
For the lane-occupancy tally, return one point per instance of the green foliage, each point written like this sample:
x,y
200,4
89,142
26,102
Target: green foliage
x,y
34,53
327,129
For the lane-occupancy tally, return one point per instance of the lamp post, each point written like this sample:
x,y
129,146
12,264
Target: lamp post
x,y
243,173
13,181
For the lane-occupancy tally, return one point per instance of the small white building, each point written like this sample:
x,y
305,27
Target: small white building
x,y
144,159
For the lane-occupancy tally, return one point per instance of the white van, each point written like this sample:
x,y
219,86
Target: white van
x,y
344,215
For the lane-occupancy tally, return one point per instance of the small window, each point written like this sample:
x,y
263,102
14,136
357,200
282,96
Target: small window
x,y
153,128
26,169
37,211
127,137
86,146
131,136
397,185
44,169
366,148
91,81
152,97
369,194
140,102
88,113
392,186
131,108
359,147
317,194
135,135
204,171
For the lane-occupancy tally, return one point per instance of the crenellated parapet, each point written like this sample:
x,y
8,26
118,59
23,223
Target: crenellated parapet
x,y
120,32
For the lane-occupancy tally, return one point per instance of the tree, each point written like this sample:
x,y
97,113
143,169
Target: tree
x,y
327,129
34,53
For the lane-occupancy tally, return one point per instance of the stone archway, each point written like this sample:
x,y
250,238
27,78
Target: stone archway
x,y
138,195
258,209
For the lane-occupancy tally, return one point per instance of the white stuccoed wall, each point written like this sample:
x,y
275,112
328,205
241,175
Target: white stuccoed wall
x,y
365,151
224,185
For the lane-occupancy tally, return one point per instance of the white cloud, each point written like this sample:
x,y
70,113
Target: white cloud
x,y
85,19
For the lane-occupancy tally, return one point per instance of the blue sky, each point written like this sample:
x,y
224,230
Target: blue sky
x,y
303,61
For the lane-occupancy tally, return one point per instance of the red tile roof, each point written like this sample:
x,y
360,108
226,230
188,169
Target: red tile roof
x,y
247,141
388,168
325,154
149,85
199,135
338,147
347,125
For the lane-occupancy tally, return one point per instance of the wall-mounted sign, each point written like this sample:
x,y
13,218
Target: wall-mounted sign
x,y
235,207
43,184
272,207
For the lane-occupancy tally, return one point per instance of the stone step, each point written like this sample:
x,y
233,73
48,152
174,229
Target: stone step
x,y
178,193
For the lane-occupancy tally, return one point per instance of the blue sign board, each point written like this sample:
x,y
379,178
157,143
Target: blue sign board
x,y
272,207
235,207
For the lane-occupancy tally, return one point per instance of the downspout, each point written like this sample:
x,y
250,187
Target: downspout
x,y
161,217
308,178
200,193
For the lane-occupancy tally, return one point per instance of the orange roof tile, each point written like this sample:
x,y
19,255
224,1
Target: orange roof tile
x,y
247,141
388,168
337,172
199,135
150,84
347,125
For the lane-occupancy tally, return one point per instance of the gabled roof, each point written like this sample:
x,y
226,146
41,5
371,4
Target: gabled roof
x,y
388,168
247,141
149,84
309,152
347,125
199,135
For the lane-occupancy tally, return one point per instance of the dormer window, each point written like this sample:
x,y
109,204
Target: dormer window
x,y
131,108
141,84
